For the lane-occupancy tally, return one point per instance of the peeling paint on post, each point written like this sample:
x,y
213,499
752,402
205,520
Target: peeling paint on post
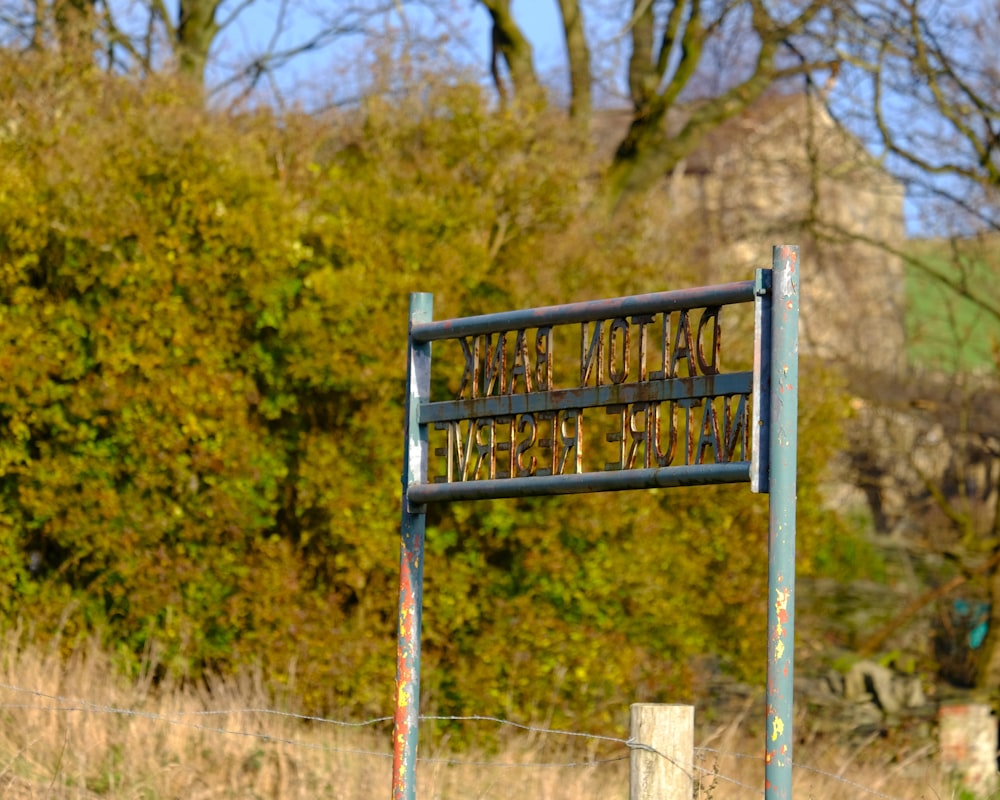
x,y
411,563
782,483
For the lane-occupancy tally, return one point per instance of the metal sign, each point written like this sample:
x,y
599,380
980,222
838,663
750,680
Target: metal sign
x,y
629,393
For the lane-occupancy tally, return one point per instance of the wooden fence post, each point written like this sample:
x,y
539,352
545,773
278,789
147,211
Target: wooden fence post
x,y
661,766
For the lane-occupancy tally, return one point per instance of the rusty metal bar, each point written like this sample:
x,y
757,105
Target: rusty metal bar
x,y
761,424
656,478
781,540
411,564
655,302
699,386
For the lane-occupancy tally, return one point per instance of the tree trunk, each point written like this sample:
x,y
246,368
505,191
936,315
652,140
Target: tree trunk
x,y
196,30
75,25
510,44
647,154
578,56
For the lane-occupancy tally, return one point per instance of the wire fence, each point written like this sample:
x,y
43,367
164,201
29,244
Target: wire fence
x,y
718,771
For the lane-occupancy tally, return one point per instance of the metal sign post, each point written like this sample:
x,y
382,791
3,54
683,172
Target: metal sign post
x,y
783,443
411,563
650,374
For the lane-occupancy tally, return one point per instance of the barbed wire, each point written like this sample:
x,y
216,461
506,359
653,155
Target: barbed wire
x,y
182,719
845,781
286,714
716,775
520,726
69,704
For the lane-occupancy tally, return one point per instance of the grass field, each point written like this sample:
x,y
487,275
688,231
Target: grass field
x,y
945,329
79,732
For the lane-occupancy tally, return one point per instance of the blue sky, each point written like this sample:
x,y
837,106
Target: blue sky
x,y
310,77
539,19
254,27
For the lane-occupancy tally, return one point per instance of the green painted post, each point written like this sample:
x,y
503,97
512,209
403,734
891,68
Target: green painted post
x,y
411,563
783,437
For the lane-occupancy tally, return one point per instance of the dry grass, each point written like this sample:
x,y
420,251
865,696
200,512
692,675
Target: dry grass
x,y
77,731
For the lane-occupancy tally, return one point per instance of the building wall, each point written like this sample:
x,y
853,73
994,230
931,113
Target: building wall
x,y
786,174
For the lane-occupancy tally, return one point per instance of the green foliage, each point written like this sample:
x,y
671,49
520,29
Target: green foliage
x,y
945,328
204,320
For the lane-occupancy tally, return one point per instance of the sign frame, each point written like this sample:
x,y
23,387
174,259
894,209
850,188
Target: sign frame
x,y
771,468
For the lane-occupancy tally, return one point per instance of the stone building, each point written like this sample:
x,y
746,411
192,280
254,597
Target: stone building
x,y
785,172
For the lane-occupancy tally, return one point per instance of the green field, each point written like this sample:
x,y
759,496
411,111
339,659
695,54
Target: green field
x,y
953,304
